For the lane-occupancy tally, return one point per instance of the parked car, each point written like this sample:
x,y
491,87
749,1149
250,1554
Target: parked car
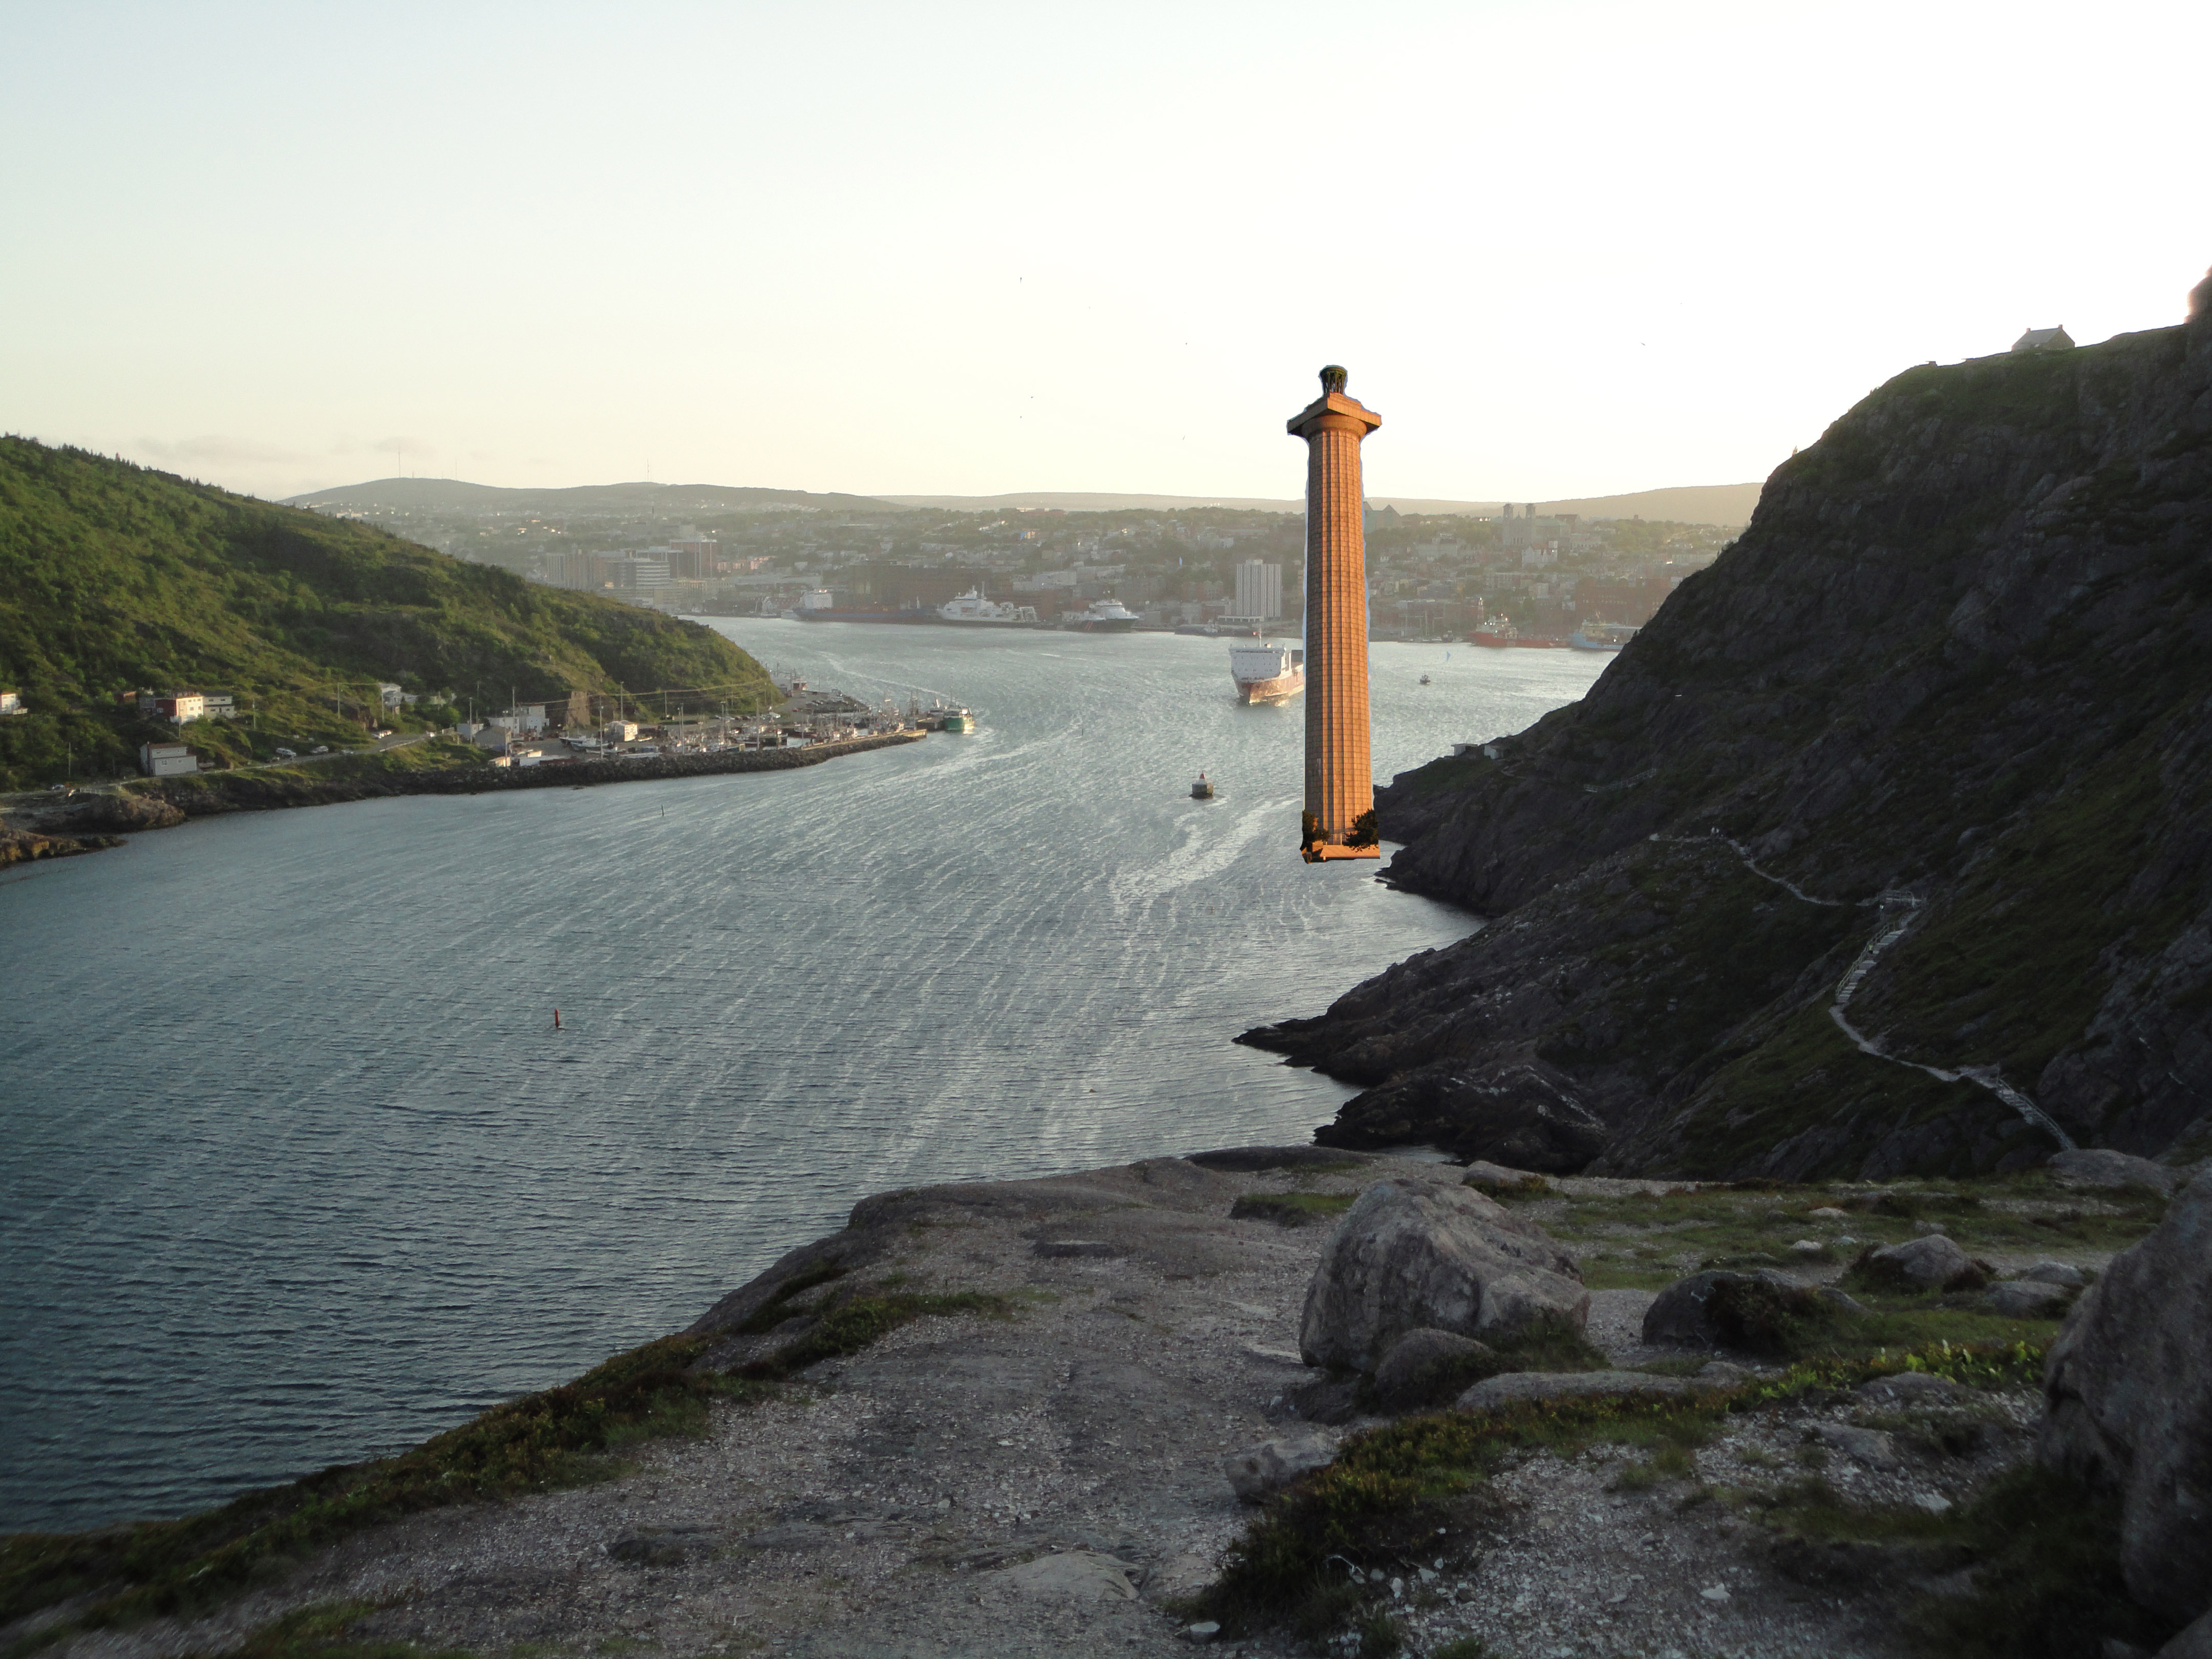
x,y
290,754
321,749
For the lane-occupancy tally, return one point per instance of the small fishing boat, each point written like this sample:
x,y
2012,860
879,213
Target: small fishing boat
x,y
1203,789
1425,679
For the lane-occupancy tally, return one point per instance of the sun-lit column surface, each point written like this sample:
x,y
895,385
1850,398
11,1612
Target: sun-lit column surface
x,y
1339,815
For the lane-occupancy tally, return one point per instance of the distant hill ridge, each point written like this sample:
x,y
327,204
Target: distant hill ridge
x,y
1716,504
454,494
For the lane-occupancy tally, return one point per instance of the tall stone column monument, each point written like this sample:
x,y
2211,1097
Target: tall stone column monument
x,y
1339,814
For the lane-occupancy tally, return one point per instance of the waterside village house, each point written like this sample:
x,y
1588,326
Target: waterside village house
x,y
2045,339
176,706
167,760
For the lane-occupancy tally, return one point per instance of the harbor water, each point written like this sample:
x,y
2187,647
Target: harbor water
x,y
299,1170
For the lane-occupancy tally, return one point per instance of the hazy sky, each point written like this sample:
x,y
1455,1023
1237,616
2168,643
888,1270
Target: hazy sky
x,y
1565,248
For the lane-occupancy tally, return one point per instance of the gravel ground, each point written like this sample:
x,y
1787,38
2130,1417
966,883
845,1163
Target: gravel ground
x,y
1050,1484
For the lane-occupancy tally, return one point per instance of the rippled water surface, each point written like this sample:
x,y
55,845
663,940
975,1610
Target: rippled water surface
x,y
297,1170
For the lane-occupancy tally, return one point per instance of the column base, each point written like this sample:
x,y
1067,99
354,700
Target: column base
x,y
1327,850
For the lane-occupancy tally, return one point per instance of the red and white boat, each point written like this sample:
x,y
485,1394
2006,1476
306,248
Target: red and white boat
x,y
1266,673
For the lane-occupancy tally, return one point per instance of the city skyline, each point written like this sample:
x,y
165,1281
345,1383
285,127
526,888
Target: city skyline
x,y
1585,249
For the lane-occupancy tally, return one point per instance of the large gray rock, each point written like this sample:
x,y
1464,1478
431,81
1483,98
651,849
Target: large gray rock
x,y
1871,1447
1931,1263
2195,1643
1411,1254
2100,1166
1753,1312
2128,1403
2027,1298
1421,1367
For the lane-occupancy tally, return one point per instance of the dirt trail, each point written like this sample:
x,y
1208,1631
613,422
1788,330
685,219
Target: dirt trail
x,y
1906,907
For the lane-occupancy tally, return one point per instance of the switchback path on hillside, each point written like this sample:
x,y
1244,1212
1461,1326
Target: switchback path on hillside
x,y
1906,907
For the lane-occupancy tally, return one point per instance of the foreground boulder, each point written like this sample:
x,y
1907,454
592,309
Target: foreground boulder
x,y
1424,1367
2128,1397
1754,1312
2100,1166
1412,1254
1931,1263
2027,1298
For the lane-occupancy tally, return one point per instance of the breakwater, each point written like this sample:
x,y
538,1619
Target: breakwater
x,y
208,794
476,780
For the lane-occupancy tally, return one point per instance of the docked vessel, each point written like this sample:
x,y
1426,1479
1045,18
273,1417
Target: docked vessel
x,y
1266,673
959,721
820,604
971,609
1499,631
1600,636
1101,616
1203,789
1221,630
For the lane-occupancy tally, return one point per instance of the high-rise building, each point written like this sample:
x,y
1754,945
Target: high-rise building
x,y
1260,590
1339,812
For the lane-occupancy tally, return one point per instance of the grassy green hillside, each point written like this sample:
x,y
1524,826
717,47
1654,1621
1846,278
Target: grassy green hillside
x,y
113,577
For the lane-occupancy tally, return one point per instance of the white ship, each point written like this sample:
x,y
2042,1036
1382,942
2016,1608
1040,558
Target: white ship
x,y
1266,673
973,607
1101,616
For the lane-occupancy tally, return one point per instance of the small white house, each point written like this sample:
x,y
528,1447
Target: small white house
x,y
620,731
11,702
167,760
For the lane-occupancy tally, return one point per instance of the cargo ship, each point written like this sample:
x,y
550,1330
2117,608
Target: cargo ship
x,y
1600,636
1101,616
1266,673
1498,631
821,606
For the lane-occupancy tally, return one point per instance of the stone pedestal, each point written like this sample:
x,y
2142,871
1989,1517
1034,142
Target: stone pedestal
x,y
1339,811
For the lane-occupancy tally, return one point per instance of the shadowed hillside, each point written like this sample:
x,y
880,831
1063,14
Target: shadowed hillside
x,y
1886,847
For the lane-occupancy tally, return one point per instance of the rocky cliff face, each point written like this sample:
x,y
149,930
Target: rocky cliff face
x,y
1934,738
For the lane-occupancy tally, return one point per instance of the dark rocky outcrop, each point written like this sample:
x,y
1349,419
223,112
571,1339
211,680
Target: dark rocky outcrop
x,y
1957,673
2128,1396
1520,1113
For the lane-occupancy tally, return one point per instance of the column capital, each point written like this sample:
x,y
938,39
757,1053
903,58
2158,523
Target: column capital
x,y
1350,416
